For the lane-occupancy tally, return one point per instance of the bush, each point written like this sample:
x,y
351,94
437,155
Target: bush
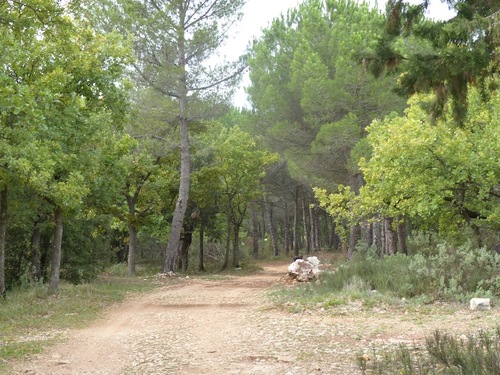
x,y
445,354
446,273
457,273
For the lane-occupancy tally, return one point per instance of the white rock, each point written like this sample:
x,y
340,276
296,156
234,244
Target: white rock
x,y
304,270
480,304
313,260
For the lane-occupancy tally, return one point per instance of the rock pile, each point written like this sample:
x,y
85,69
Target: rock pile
x,y
304,270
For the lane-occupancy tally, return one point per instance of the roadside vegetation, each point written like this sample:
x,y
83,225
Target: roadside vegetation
x,y
437,273
443,273
474,354
30,319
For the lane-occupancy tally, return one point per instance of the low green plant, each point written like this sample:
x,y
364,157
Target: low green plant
x,y
476,354
446,273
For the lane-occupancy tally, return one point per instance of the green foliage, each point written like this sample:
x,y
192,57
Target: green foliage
x,y
236,165
311,99
439,173
435,173
476,354
63,106
443,57
451,274
457,273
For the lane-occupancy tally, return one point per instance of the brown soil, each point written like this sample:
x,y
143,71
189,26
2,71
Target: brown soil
x,y
229,326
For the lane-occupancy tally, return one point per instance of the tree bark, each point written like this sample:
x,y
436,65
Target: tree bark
x,y
255,233
171,250
236,246
201,262
55,265
187,239
401,231
354,237
132,248
286,239
368,233
307,233
296,236
315,231
355,182
270,224
390,237
228,242
377,236
36,267
132,234
3,234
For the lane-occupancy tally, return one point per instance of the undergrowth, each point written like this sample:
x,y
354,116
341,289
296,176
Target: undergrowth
x,y
475,354
453,274
30,319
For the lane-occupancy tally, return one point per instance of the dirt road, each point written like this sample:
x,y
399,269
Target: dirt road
x,y
227,326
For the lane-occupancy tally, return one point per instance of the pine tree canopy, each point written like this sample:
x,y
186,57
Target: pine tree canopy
x,y
441,56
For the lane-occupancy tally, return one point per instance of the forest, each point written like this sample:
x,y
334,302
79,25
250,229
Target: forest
x,y
366,131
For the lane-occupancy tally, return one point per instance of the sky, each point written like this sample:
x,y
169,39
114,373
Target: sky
x,y
258,14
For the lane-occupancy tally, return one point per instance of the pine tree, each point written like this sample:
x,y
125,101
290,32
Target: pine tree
x,y
441,56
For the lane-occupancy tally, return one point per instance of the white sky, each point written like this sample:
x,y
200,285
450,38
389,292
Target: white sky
x,y
258,14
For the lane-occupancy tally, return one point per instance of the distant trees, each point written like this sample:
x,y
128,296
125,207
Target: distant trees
x,y
312,101
239,166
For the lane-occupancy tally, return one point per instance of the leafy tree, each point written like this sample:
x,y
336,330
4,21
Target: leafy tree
x,y
439,174
304,79
173,41
239,166
446,57
63,99
313,101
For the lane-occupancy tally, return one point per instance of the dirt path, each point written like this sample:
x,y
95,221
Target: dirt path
x,y
227,326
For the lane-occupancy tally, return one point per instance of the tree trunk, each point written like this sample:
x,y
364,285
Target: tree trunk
x,y
236,246
296,246
377,236
368,233
171,250
307,233
315,235
401,230
228,242
270,224
201,263
390,237
187,239
132,248
286,239
3,234
313,229
55,265
354,237
255,233
132,233
334,239
355,182
36,268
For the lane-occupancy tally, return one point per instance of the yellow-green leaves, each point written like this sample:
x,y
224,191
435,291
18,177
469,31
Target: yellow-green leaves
x,y
438,172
